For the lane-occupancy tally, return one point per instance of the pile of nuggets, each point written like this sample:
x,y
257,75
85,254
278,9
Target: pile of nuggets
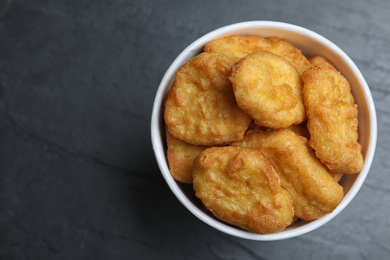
x,y
263,133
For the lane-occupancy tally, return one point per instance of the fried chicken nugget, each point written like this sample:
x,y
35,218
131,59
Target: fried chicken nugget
x,y
201,108
181,156
314,191
237,47
268,88
315,60
291,53
302,131
240,186
332,119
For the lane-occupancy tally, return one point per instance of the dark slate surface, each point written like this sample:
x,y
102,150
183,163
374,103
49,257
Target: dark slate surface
x,y
78,177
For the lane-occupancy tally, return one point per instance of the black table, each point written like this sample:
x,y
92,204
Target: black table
x,y
78,177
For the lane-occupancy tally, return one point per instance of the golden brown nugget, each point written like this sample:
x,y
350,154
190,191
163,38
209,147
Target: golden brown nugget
x,y
237,47
201,108
268,88
315,60
314,191
240,186
181,156
332,119
291,53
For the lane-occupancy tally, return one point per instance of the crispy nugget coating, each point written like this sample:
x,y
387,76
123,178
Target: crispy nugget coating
x,y
268,88
314,191
181,156
332,119
240,186
288,51
237,47
316,60
201,108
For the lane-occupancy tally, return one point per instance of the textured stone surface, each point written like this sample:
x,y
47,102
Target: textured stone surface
x,y
78,178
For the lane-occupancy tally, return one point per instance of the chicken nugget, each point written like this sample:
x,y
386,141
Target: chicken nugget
x,y
332,119
181,156
315,60
288,51
240,186
268,88
201,108
237,47
314,191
